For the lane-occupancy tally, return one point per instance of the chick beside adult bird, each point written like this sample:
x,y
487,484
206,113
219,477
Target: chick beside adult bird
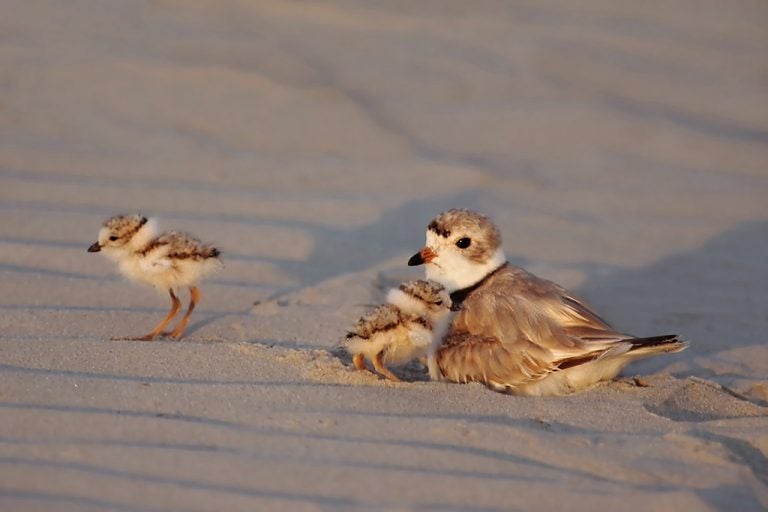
x,y
406,327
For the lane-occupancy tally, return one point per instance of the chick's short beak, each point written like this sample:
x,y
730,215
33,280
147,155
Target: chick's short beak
x,y
423,256
95,247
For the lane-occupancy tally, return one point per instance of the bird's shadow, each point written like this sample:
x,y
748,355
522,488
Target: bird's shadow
x,y
398,231
715,296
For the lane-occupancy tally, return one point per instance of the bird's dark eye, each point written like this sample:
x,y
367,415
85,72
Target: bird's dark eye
x,y
463,243
439,303
112,238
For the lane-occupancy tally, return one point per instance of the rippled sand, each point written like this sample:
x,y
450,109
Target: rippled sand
x,y
621,146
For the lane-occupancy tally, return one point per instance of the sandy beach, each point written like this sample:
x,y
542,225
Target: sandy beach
x,y
621,147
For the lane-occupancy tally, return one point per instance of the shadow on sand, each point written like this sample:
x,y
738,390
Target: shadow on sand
x,y
715,296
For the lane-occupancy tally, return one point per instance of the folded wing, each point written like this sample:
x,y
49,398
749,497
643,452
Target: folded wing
x,y
518,329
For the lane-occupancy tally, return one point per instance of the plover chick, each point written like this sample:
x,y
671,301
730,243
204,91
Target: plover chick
x,y
415,316
168,262
516,332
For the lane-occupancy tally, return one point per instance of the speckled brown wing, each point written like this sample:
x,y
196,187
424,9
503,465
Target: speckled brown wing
x,y
382,318
517,328
185,246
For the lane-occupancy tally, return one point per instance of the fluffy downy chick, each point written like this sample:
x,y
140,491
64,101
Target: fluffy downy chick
x,y
408,326
170,261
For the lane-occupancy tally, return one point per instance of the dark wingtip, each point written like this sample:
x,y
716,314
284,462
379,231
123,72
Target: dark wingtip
x,y
415,260
656,340
95,247
667,343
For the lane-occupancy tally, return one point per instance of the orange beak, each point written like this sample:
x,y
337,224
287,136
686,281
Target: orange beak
x,y
423,256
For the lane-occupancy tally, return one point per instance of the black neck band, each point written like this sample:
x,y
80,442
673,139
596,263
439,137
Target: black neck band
x,y
460,296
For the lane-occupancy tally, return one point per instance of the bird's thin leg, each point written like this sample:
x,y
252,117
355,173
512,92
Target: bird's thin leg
x,y
194,298
383,370
359,361
175,307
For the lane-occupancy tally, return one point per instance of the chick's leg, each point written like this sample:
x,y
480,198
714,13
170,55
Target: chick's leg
x,y
194,298
359,361
175,307
383,370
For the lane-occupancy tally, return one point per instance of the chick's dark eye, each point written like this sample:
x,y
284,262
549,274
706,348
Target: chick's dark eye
x,y
463,243
439,303
112,238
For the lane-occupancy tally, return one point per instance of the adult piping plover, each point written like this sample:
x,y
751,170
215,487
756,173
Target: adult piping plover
x,y
415,316
516,332
169,261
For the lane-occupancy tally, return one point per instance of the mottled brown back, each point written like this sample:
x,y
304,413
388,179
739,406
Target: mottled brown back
x,y
183,246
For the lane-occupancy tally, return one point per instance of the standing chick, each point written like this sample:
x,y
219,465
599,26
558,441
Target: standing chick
x,y
410,325
169,261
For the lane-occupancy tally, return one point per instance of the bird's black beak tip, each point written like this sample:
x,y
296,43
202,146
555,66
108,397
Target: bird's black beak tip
x,y
95,247
415,260
456,306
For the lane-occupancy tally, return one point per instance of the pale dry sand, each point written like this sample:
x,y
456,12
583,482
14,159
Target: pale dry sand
x,y
621,146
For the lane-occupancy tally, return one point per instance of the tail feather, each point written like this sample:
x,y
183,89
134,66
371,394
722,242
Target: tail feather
x,y
654,344
632,348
